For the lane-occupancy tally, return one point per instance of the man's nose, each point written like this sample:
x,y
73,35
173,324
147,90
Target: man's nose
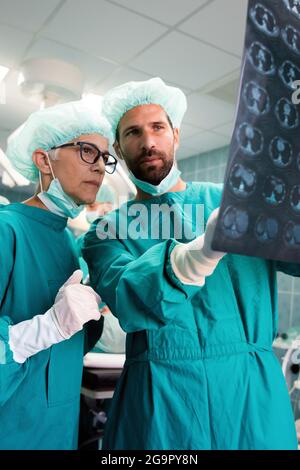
x,y
147,141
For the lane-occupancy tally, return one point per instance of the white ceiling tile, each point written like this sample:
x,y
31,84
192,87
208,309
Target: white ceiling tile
x,y
185,61
186,130
28,15
102,29
13,44
206,141
184,152
207,112
225,129
93,69
167,11
221,23
121,75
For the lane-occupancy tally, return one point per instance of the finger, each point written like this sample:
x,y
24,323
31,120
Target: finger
x,y
75,278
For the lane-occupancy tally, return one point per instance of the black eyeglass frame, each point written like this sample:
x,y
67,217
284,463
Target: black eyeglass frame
x,y
80,143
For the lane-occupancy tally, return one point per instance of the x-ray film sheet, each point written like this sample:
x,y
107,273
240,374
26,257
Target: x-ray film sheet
x,y
260,209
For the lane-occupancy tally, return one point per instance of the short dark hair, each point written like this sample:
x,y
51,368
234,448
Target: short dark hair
x,y
118,133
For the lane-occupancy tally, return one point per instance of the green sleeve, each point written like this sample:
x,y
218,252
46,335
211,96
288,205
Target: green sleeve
x,y
92,333
11,372
142,291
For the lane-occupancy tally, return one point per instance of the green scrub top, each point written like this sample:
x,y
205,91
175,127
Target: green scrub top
x,y
39,399
200,372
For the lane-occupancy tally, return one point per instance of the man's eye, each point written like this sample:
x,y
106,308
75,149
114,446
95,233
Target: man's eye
x,y
132,132
158,126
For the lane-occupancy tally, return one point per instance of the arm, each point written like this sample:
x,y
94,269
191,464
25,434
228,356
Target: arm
x,y
11,373
192,262
142,291
74,305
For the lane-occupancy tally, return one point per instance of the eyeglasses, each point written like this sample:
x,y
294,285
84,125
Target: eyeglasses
x,y
89,153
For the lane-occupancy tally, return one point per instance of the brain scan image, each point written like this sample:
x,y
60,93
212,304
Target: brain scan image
x,y
281,152
264,20
250,139
291,234
274,190
291,38
287,114
298,161
295,199
293,6
235,222
266,229
242,181
288,73
262,59
260,207
256,98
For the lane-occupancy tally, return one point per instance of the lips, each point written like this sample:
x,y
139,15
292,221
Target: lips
x,y
94,183
149,159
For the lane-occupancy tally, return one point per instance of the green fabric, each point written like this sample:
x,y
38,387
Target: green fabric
x,y
39,400
200,372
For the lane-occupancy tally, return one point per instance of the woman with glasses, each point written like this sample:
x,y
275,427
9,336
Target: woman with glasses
x,y
45,311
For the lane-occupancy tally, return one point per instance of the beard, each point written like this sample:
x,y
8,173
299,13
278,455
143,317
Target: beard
x,y
149,173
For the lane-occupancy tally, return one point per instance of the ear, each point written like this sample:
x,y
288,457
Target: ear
x,y
117,149
39,158
176,138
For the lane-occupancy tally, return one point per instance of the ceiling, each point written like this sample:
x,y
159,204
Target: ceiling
x,y
194,44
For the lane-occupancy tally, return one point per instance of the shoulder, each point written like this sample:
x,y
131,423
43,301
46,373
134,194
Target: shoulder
x,y
209,194
102,228
8,226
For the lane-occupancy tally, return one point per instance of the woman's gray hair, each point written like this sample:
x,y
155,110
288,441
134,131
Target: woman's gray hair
x,y
53,154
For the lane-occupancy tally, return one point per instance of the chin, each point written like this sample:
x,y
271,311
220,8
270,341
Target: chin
x,y
88,200
88,197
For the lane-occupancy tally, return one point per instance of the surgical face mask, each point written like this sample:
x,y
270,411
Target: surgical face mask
x,y
56,200
155,190
91,216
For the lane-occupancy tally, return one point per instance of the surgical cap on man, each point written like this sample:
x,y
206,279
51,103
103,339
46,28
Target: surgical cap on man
x,y
122,98
52,127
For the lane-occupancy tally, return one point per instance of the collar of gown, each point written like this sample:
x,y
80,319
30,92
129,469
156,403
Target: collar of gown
x,y
40,215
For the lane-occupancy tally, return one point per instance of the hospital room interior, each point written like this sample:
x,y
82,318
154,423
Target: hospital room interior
x,y
61,51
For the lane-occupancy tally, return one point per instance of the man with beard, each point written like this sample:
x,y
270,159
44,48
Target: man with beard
x,y
200,372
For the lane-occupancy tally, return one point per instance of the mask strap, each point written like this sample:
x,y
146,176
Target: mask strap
x,y
50,166
41,184
40,176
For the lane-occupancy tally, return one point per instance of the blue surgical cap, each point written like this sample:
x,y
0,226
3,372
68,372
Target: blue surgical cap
x,y
121,99
52,127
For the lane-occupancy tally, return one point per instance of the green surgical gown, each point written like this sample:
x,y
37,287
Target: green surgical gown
x,y
200,372
39,399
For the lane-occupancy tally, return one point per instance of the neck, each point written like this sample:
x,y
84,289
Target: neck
x,y
34,201
179,186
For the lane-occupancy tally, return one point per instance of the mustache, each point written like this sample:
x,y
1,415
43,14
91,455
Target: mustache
x,y
151,153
